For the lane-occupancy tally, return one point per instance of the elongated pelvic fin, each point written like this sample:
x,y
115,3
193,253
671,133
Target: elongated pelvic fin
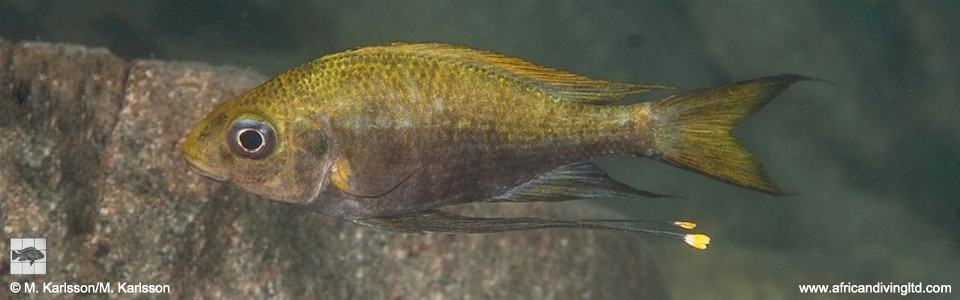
x,y
577,181
693,130
564,85
436,221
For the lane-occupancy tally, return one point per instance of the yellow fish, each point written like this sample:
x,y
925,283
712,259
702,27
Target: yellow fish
x,y
385,136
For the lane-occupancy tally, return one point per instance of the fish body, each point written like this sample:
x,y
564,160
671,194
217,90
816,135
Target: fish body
x,y
29,253
404,129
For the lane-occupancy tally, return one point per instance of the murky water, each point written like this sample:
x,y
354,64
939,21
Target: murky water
x,y
871,157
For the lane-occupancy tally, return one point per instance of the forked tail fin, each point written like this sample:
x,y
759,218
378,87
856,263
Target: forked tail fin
x,y
692,130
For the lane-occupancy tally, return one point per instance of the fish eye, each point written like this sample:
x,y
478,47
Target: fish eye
x,y
251,138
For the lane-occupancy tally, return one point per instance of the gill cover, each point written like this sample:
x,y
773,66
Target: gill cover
x,y
264,149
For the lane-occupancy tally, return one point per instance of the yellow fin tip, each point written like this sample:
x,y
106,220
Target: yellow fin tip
x,y
685,224
699,240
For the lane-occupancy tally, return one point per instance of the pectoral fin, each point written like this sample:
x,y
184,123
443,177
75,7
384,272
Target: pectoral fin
x,y
582,180
366,180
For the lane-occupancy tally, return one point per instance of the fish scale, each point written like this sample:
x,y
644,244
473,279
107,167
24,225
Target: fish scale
x,y
386,135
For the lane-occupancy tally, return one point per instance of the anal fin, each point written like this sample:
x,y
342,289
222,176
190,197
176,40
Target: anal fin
x,y
577,181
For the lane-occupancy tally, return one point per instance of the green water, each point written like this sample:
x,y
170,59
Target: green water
x,y
872,158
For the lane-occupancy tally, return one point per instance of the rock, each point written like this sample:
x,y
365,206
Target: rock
x,y
89,161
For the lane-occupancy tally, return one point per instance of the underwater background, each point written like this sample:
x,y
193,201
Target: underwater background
x,y
871,157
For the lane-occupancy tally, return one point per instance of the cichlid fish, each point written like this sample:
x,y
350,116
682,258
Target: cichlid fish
x,y
28,253
385,136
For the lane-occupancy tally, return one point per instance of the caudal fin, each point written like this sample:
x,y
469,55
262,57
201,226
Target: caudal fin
x,y
692,130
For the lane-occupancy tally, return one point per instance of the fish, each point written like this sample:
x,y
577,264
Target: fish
x,y
386,136
28,253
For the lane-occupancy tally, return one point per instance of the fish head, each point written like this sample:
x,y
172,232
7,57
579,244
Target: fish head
x,y
261,143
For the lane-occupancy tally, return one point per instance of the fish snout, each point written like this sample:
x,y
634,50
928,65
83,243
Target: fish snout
x,y
197,167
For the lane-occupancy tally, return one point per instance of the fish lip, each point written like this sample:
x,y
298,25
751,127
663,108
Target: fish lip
x,y
204,172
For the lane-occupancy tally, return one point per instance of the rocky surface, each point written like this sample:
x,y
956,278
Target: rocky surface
x,y
89,161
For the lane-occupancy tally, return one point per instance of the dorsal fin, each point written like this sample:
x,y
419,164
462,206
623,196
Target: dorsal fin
x,y
564,85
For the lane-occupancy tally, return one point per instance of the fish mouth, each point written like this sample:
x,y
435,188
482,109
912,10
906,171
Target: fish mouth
x,y
202,171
